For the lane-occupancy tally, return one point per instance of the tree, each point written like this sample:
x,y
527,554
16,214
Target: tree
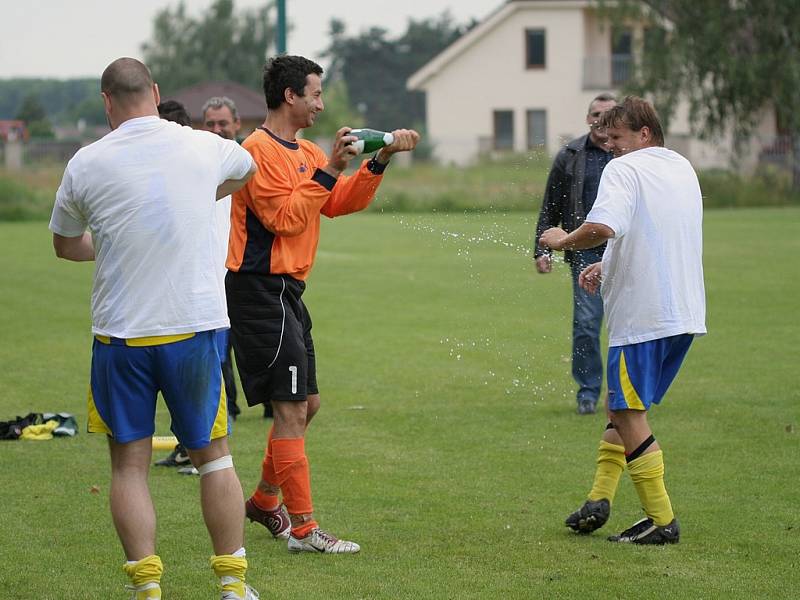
x,y
220,45
730,59
375,68
91,110
35,117
31,109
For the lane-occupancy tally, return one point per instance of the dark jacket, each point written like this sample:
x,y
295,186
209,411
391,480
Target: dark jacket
x,y
562,204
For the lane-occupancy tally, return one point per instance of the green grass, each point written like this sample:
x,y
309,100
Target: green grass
x,y
447,444
513,183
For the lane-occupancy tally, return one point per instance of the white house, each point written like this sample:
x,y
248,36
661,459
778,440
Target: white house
x,y
523,79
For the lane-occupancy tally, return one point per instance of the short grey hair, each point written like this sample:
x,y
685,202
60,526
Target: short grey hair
x,y
604,97
218,102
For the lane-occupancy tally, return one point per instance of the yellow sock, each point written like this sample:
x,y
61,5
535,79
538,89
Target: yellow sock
x,y
647,473
610,465
231,571
145,575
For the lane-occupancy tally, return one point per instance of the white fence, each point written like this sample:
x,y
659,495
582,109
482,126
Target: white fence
x,y
16,154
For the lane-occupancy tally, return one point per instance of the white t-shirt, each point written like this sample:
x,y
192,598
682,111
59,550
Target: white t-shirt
x,y
223,234
653,267
147,193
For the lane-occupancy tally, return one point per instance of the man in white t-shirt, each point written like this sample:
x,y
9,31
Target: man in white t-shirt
x,y
146,193
650,211
221,117
172,110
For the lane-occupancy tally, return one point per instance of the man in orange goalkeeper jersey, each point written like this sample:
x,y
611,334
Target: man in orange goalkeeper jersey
x,y
275,223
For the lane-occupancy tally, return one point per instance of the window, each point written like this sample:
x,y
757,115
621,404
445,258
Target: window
x,y
535,49
537,129
621,56
503,130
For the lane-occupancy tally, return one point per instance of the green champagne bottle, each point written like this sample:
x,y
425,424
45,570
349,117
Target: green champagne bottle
x,y
370,140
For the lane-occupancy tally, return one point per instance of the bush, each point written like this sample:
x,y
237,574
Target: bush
x,y
28,195
768,187
19,202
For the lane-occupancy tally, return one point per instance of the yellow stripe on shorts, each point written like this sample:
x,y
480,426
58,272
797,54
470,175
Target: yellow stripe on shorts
x,y
631,397
96,423
153,340
220,427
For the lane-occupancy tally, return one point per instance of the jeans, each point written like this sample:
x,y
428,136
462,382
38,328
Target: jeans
x,y
587,316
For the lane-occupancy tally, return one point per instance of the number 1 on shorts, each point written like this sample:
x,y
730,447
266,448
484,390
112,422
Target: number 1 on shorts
x,y
293,371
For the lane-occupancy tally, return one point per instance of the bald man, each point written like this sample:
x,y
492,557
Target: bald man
x,y
141,203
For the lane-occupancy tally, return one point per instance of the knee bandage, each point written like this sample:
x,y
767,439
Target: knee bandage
x,y
223,462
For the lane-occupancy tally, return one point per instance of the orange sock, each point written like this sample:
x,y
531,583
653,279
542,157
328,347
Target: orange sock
x,y
294,478
265,500
304,529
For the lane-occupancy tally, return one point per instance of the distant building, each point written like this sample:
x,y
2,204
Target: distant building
x,y
522,81
11,130
250,104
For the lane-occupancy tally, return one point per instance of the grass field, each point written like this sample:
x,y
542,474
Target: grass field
x,y
447,444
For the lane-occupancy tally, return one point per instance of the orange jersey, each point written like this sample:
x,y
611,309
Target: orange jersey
x,y
275,217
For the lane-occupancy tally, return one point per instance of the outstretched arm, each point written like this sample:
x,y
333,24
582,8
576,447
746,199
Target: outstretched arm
x,y
588,235
354,193
405,140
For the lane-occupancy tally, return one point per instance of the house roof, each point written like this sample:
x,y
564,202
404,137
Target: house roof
x,y
420,78
249,104
6,124
12,129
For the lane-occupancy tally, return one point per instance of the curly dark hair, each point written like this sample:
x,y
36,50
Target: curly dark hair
x,y
172,110
283,72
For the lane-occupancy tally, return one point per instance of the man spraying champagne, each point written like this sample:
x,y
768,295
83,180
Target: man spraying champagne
x,y
275,226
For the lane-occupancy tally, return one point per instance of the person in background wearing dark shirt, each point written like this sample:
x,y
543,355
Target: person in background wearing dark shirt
x,y
221,117
569,195
174,111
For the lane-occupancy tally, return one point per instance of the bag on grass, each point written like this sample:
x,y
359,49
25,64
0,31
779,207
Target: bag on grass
x,y
12,430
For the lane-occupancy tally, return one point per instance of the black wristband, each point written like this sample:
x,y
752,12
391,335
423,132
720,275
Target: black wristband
x,y
375,167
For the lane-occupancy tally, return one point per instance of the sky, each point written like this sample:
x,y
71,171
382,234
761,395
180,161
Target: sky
x,y
54,38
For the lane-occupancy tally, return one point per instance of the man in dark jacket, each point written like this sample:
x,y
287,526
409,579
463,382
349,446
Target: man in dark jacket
x,y
569,195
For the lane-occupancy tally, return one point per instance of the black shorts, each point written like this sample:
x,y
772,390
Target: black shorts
x,y
271,335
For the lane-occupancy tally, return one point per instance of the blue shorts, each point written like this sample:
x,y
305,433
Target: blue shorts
x,y
128,374
223,337
640,374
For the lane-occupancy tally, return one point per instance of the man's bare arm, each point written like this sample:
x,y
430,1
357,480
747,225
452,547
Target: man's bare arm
x,y
231,185
588,235
78,249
